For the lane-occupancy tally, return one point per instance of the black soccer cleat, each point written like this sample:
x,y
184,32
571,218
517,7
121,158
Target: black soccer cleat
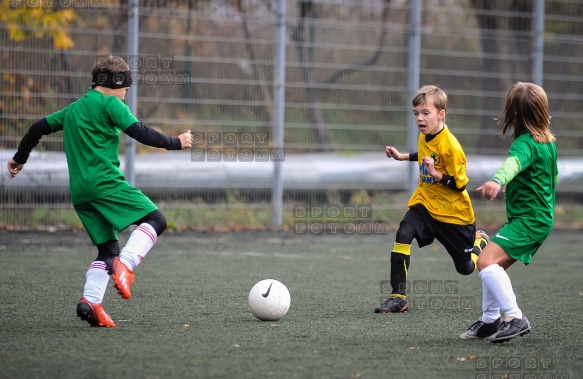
x,y
393,304
94,314
510,329
480,329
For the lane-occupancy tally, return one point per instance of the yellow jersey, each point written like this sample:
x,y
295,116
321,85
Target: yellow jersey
x,y
443,203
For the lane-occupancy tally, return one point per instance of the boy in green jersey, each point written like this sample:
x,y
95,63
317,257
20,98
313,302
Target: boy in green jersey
x,y
530,175
103,200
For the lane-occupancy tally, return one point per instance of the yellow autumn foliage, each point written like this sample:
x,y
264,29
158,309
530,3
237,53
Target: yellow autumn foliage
x,y
38,21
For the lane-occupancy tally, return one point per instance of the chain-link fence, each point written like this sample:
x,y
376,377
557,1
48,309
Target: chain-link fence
x,y
208,66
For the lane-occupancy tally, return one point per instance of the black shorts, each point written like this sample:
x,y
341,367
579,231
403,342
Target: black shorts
x,y
458,240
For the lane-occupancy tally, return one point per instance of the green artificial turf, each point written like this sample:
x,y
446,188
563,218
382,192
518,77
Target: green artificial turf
x,y
188,316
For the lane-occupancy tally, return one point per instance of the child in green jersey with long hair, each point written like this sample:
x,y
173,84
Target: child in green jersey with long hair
x,y
104,201
530,175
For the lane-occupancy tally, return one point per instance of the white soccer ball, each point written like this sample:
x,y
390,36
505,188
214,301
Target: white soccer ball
x,y
269,300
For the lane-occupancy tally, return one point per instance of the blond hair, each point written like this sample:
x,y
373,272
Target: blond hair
x,y
526,110
431,95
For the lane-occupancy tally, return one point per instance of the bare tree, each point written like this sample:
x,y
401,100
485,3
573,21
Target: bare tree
x,y
307,12
496,17
258,75
372,60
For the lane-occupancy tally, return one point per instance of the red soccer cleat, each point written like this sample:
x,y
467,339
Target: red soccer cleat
x,y
94,314
122,277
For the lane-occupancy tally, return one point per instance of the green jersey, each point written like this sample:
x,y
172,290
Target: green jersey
x,y
530,195
91,133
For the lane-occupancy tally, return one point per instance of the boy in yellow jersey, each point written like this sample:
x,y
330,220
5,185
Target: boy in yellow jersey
x,y
440,208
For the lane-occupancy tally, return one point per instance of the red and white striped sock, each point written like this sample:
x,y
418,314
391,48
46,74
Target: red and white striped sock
x,y
139,244
96,281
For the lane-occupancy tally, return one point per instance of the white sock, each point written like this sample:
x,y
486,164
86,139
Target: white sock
x,y
139,244
490,307
96,281
498,282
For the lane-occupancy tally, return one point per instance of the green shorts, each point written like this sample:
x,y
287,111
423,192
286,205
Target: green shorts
x,y
104,217
515,240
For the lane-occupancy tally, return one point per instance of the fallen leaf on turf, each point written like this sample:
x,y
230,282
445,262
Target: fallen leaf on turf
x,y
413,347
463,359
186,325
354,375
236,345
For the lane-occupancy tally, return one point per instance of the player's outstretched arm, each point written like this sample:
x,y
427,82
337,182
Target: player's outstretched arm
x,y
154,138
510,168
395,154
392,152
489,190
186,139
36,131
14,168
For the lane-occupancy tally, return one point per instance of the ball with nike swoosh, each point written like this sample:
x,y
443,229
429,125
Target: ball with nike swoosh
x,y
269,300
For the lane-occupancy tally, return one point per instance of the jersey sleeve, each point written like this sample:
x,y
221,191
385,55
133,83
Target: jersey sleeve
x,y
522,150
56,120
152,137
37,130
507,172
119,113
456,167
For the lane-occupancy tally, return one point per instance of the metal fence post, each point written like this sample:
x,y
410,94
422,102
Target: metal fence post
x,y
278,115
132,96
538,27
413,67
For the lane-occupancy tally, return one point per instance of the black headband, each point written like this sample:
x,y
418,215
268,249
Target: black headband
x,y
114,81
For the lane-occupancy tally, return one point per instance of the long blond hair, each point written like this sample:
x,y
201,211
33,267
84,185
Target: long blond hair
x,y
526,110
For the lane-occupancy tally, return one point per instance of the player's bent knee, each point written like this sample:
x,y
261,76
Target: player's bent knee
x,y
107,250
465,268
155,219
405,234
484,262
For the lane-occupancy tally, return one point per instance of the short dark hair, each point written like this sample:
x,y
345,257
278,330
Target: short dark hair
x,y
111,72
109,65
